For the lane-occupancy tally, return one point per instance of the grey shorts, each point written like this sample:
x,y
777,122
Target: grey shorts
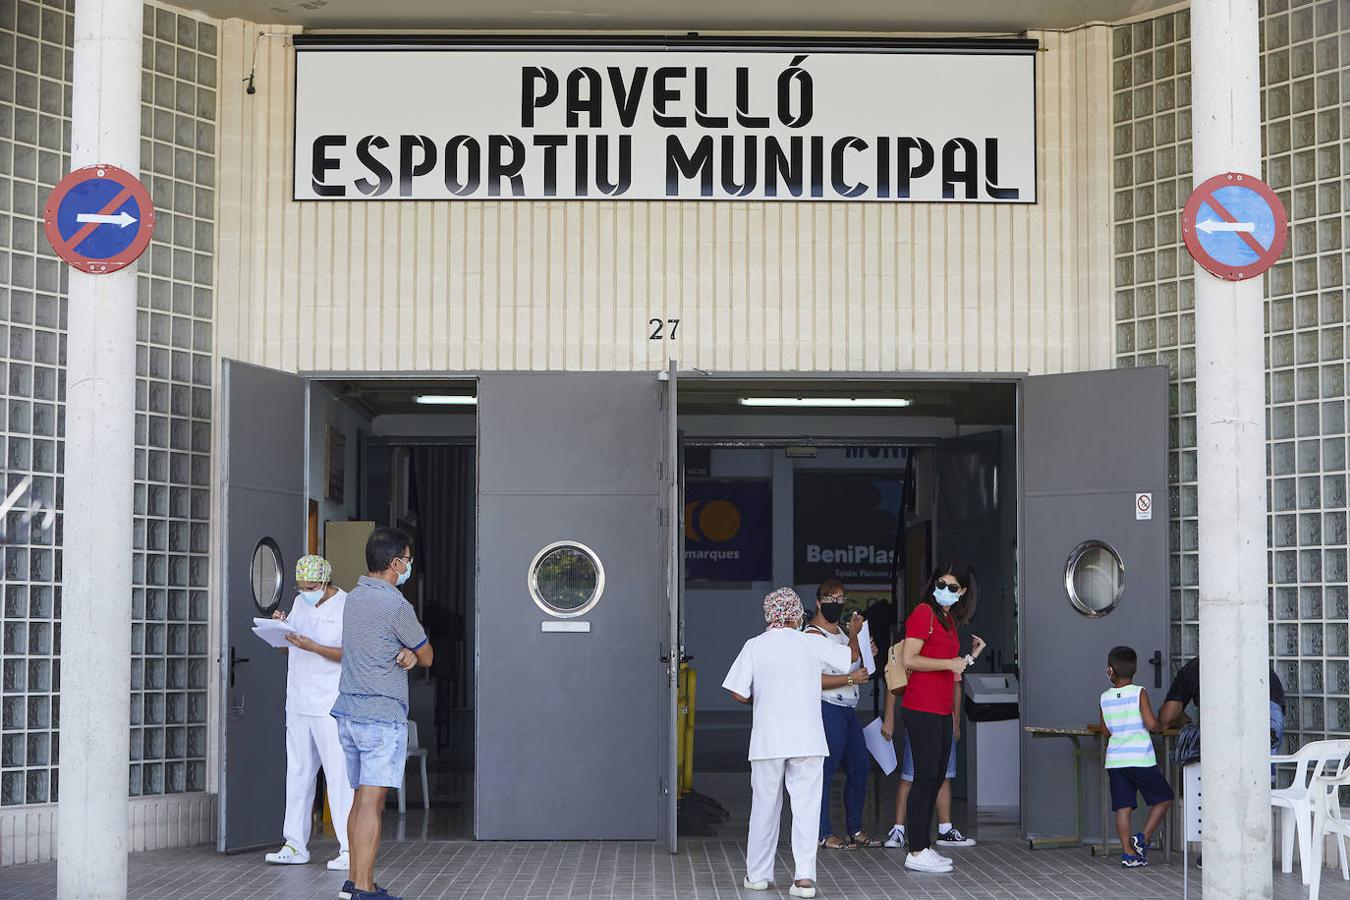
x,y
376,752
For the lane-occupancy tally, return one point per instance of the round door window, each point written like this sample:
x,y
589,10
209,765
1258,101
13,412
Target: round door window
x,y
265,576
1094,578
566,579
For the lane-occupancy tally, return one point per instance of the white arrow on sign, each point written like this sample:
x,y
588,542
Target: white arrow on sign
x,y
122,219
1212,225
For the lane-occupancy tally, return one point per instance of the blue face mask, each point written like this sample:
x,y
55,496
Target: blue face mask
x,y
945,596
406,573
312,597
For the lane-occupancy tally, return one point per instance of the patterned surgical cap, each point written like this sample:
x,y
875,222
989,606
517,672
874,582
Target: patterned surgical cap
x,y
782,608
313,568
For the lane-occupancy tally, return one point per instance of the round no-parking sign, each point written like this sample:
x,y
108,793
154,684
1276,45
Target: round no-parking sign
x,y
1234,226
99,219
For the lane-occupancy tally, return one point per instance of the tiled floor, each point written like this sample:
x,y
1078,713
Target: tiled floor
x,y
702,870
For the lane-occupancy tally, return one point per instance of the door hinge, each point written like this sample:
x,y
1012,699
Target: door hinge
x,y
661,516
662,790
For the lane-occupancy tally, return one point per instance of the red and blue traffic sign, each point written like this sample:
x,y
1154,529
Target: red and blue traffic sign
x,y
1234,226
99,219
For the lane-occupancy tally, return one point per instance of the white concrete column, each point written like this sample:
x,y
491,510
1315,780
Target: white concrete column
x,y
1231,436
100,451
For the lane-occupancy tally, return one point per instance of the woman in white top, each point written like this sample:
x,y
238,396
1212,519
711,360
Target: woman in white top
x,y
313,667
779,673
843,731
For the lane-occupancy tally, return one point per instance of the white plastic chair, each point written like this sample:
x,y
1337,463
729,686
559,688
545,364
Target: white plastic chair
x,y
414,749
1297,802
1327,819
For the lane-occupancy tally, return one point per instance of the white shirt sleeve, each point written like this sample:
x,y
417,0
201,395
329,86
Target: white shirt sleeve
x,y
834,656
739,678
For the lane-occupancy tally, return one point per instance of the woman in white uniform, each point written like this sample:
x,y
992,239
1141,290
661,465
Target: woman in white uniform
x,y
313,668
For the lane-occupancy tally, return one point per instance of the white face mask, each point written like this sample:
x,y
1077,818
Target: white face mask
x,y
405,574
312,597
946,596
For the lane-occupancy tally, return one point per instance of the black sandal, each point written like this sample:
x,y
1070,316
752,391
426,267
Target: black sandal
x,y
867,842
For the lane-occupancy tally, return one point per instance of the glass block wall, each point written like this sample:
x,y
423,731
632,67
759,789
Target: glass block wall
x,y
1305,89
169,625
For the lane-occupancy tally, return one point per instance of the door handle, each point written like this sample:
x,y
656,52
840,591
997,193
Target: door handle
x,y
235,660
1156,663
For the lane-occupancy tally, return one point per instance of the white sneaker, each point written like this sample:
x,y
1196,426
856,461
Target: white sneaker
x,y
755,885
287,856
927,860
339,863
807,892
896,839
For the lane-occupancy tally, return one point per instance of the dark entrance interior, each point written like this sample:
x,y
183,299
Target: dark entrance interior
x,y
412,445
874,494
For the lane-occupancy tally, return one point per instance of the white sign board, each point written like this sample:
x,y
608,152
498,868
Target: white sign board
x,y
1143,506
448,122
1194,824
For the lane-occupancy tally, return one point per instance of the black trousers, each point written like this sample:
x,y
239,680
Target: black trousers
x,y
930,741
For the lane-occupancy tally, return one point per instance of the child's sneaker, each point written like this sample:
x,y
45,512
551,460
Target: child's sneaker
x,y
952,837
1130,861
1140,845
896,839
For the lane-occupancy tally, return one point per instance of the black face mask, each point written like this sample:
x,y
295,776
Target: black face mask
x,y
831,612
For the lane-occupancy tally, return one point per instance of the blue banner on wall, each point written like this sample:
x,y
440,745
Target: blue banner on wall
x,y
728,530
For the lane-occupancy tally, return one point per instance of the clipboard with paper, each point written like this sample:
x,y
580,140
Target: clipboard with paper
x,y
273,631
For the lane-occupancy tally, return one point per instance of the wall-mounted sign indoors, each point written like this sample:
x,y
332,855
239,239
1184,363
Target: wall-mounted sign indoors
x,y
932,123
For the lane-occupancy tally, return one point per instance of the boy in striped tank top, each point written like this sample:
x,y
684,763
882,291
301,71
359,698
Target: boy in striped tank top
x,y
1128,718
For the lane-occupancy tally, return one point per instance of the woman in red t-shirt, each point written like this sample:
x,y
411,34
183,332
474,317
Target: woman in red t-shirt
x,y
932,653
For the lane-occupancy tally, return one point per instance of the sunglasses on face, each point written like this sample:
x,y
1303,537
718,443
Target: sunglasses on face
x,y
835,598
948,586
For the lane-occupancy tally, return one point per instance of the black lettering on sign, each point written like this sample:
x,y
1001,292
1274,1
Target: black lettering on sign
x,y
323,163
538,88
377,168
663,92
407,169
500,166
965,173
473,157
697,165
795,79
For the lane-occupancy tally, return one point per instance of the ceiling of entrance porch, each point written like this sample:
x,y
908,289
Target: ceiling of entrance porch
x,y
782,16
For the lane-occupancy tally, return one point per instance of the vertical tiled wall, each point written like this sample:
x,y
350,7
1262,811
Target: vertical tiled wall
x,y
169,625
1305,89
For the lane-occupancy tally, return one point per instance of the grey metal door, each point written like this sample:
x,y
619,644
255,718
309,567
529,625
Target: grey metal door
x,y
1090,442
672,466
572,706
264,498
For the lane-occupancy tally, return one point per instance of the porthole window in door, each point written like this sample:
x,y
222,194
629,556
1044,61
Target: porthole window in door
x,y
566,579
265,576
1094,578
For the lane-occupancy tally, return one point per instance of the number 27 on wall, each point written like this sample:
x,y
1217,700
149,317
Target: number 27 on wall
x,y
658,327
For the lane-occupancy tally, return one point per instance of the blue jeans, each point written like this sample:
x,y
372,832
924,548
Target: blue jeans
x,y
844,734
376,752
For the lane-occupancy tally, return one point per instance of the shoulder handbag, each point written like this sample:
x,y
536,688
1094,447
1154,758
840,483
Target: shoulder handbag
x,y
897,676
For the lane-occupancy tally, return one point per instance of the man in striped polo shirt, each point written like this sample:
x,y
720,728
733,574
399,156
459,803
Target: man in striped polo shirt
x,y
1128,718
381,641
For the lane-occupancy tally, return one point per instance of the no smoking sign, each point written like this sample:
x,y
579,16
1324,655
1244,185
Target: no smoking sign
x,y
1143,506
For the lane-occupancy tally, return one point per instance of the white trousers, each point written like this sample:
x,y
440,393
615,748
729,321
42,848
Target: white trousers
x,y
312,741
803,776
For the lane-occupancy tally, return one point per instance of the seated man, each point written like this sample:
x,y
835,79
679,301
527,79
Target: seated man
x,y
1185,690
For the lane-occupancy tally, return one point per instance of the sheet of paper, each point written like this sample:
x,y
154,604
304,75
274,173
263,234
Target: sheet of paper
x,y
273,636
272,624
865,647
882,750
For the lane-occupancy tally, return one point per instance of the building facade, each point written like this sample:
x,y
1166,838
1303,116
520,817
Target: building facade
x,y
1091,276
